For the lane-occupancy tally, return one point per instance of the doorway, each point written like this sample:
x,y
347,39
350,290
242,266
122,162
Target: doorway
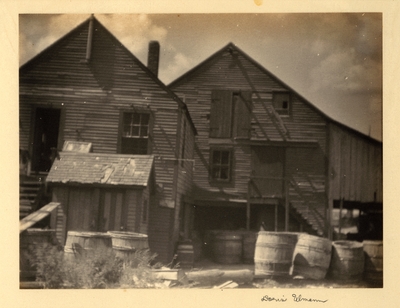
x,y
45,137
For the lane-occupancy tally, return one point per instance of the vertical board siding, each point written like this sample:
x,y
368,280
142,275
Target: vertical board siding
x,y
356,167
131,201
159,231
143,225
60,194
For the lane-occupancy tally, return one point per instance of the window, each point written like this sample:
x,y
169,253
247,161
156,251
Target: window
x,y
230,114
220,164
281,102
135,133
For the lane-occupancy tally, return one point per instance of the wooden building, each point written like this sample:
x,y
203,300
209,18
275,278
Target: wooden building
x,y
88,87
265,156
101,192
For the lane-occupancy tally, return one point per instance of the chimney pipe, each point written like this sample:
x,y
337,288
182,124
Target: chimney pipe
x,y
153,57
89,39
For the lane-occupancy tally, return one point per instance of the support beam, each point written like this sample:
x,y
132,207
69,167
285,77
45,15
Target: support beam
x,y
276,218
248,207
340,215
286,206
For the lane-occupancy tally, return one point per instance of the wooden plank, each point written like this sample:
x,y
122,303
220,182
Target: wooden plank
x,y
33,218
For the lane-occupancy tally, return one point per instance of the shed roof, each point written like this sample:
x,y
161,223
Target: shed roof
x,y
106,169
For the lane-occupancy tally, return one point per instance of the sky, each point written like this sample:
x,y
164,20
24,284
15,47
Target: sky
x,y
334,60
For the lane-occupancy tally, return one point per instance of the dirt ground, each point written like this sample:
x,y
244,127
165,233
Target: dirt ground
x,y
249,281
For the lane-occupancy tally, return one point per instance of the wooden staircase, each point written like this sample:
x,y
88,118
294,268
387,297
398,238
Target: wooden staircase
x,y
307,202
31,193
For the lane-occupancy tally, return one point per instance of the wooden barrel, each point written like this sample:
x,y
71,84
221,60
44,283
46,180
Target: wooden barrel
x,y
197,247
312,256
347,261
249,246
373,253
208,242
31,239
79,244
274,253
125,244
185,254
227,248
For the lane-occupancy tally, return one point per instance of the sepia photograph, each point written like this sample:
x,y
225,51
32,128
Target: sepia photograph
x,y
201,152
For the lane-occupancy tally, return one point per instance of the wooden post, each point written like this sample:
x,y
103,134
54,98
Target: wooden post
x,y
329,219
276,217
286,205
340,215
248,207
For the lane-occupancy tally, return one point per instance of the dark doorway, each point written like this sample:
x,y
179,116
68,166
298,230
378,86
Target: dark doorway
x,y
47,125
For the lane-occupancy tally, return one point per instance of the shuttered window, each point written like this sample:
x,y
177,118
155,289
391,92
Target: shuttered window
x,y
230,114
242,114
134,133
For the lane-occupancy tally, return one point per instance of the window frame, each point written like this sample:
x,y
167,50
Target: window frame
x,y
121,131
282,112
212,164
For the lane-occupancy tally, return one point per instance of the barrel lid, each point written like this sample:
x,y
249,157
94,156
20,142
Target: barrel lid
x,y
127,235
89,234
343,244
371,242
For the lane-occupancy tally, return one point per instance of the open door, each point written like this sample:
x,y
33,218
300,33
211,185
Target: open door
x,y
45,137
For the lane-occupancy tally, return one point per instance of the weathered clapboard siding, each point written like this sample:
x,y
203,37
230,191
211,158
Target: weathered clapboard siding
x,y
355,166
92,94
238,73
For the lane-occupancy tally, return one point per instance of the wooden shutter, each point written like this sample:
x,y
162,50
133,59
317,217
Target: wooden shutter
x,y
243,109
221,114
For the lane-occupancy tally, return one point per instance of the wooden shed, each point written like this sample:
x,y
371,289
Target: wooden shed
x,y
87,87
265,156
101,192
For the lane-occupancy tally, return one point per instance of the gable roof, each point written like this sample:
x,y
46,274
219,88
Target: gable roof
x,y
47,52
232,47
105,169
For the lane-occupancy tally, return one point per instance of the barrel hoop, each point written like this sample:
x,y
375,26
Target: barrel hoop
x,y
263,261
273,245
310,248
124,248
351,259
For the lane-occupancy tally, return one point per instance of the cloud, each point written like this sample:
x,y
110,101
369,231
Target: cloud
x,y
176,66
134,31
37,32
344,72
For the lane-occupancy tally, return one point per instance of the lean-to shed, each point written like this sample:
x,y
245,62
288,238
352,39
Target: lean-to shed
x,y
101,192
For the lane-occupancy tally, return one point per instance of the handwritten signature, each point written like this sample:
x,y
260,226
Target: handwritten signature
x,y
295,297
